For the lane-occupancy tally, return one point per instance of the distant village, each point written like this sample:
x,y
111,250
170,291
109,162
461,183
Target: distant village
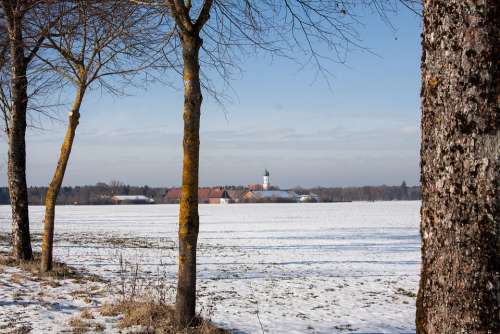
x,y
254,193
116,192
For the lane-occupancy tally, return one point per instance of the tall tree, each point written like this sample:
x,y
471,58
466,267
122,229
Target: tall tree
x,y
100,44
221,29
23,49
460,168
189,32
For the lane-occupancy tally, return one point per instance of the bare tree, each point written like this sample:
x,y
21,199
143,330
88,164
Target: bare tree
x,y
189,32
212,33
41,83
23,45
101,44
4,82
460,216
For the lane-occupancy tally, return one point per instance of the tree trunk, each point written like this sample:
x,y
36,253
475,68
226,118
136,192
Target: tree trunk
x,y
188,214
18,191
55,184
460,169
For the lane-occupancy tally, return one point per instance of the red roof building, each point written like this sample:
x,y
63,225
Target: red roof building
x,y
255,186
205,195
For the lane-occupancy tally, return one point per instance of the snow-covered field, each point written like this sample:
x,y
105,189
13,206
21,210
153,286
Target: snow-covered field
x,y
278,268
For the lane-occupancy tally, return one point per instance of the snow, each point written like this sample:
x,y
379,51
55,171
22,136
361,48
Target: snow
x,y
31,304
294,268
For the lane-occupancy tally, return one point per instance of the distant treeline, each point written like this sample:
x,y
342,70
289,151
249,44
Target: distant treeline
x,y
366,193
101,193
88,195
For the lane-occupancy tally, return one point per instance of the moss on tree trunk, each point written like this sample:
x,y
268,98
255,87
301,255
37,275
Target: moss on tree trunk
x,y
55,184
188,216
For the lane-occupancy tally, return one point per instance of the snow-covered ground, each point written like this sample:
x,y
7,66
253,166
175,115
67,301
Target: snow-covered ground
x,y
278,268
30,304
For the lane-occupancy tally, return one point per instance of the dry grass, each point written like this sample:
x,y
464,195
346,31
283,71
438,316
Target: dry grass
x,y
86,314
17,295
83,323
17,278
59,270
155,318
99,327
20,330
78,325
110,310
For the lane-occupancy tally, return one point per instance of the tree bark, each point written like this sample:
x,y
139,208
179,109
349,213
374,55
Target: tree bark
x,y
460,169
55,184
18,191
188,215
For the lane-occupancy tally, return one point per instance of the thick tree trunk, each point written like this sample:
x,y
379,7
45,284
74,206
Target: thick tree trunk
x,y
55,184
18,191
460,224
188,215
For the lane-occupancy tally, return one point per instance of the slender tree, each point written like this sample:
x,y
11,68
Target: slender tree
x,y
100,44
460,168
189,32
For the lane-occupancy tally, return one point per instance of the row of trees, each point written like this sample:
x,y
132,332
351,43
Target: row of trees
x,y
86,195
101,193
366,193
79,45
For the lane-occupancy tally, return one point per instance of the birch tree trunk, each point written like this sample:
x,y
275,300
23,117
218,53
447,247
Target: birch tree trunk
x,y
188,216
18,191
460,169
55,184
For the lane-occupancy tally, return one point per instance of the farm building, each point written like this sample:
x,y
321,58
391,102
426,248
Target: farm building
x,y
308,198
205,195
270,195
131,199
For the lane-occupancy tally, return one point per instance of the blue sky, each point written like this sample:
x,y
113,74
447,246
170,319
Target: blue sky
x,y
362,129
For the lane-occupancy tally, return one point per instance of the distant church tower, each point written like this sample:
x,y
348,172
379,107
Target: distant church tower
x,y
265,184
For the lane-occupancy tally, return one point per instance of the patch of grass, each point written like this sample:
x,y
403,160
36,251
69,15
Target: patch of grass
x,y
98,327
345,328
78,325
86,314
17,278
156,318
21,330
59,270
401,291
53,283
83,323
145,314
110,310
17,295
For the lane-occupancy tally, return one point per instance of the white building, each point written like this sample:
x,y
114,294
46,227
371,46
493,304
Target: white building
x,y
132,199
308,198
265,184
